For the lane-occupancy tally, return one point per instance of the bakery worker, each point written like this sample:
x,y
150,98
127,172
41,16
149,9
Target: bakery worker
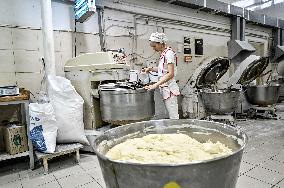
x,y
167,71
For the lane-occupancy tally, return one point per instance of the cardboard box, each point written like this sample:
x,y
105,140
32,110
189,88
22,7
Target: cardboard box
x,y
15,138
2,145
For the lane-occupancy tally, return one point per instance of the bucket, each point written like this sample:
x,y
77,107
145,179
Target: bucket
x,y
133,76
221,172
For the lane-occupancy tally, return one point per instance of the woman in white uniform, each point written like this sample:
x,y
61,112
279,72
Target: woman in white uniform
x,y
167,70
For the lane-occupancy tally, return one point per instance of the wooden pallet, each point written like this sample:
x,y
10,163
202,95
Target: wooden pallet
x,y
61,149
6,156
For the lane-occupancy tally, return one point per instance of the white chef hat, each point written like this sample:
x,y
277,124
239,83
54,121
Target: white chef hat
x,y
158,37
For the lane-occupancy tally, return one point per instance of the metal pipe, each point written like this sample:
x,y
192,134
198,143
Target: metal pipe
x,y
134,42
238,28
278,36
186,24
100,19
277,51
189,24
48,41
75,39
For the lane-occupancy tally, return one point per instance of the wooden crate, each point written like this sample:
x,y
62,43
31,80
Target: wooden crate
x,y
2,145
15,139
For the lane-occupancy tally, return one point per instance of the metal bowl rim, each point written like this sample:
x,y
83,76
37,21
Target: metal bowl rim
x,y
245,139
222,91
264,85
119,91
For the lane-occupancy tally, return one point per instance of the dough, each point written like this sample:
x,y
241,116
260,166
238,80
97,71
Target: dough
x,y
166,148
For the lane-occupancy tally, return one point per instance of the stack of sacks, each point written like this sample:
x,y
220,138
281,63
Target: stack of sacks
x,y
43,127
68,107
61,120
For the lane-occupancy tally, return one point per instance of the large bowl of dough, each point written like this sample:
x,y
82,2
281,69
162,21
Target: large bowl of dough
x,y
171,154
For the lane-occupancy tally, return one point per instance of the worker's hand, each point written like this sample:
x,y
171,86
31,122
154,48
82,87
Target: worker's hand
x,y
147,69
163,85
151,87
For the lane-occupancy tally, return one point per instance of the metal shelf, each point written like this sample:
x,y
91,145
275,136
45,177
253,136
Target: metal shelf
x,y
24,102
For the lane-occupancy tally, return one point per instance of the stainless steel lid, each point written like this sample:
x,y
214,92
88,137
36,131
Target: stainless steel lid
x,y
248,70
254,70
211,70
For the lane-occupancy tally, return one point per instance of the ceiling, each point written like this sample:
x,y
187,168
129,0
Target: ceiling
x,y
253,4
248,4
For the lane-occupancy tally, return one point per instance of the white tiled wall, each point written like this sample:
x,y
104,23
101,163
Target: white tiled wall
x,y
7,78
21,39
6,61
25,39
28,61
59,63
64,49
21,46
87,43
57,41
67,44
6,38
31,81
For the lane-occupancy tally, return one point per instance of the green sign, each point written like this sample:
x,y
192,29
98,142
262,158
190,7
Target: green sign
x,y
17,140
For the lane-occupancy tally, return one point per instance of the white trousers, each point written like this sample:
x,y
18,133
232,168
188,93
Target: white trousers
x,y
172,107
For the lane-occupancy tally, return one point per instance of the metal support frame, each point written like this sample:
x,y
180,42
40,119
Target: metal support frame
x,y
277,51
278,35
238,25
238,48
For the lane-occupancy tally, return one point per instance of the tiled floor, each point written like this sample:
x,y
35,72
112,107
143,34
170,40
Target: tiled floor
x,y
63,173
262,165
263,159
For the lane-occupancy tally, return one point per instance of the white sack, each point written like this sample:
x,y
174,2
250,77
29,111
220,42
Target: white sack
x,y
43,129
68,107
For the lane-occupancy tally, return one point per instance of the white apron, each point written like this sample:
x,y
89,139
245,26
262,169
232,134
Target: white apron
x,y
170,89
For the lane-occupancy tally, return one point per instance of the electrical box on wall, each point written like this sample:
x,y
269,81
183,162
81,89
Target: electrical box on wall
x,y
187,50
198,46
84,9
186,45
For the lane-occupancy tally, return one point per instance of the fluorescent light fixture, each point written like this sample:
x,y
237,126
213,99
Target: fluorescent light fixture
x,y
256,4
261,6
278,1
244,3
